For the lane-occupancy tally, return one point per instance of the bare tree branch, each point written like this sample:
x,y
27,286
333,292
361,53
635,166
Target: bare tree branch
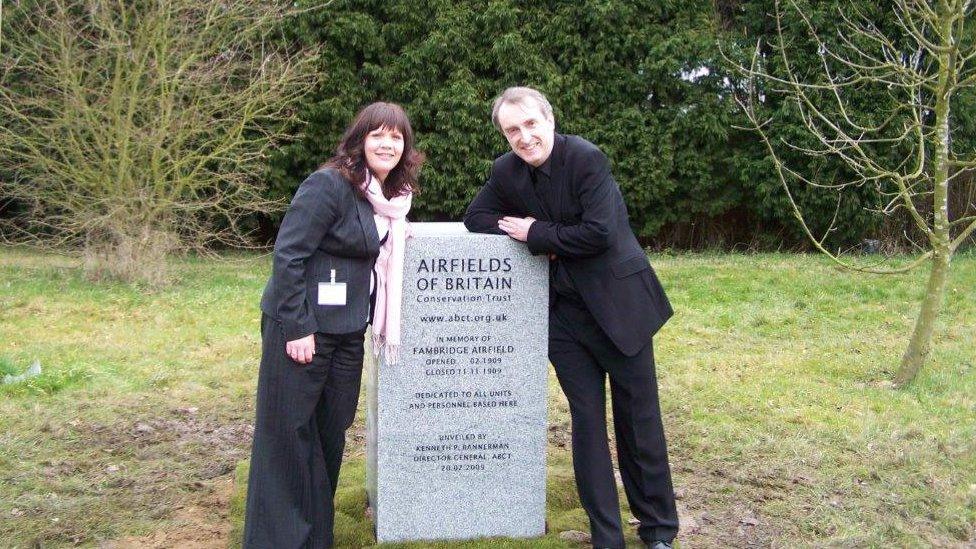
x,y
146,125
919,68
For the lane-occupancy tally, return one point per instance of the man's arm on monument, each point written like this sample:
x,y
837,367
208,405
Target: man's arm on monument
x,y
591,236
486,209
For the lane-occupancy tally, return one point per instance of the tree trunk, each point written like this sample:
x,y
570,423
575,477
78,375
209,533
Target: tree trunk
x,y
921,342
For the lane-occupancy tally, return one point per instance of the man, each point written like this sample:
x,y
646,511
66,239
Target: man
x,y
555,193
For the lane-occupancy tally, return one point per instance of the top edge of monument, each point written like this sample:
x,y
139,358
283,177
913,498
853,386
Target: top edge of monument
x,y
439,229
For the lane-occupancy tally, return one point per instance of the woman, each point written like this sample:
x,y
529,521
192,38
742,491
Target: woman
x,y
315,309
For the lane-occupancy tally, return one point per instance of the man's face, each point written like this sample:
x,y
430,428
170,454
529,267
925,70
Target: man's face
x,y
529,132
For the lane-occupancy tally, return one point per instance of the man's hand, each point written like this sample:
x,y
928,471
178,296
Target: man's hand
x,y
301,350
516,227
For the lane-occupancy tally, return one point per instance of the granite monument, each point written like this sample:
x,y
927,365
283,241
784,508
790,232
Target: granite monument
x,y
456,429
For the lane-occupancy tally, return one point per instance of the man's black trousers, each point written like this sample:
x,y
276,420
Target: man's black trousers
x,y
303,412
583,357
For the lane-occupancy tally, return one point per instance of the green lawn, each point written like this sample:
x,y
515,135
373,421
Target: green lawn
x,y
780,431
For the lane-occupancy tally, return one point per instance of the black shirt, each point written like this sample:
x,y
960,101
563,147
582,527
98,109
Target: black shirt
x,y
560,283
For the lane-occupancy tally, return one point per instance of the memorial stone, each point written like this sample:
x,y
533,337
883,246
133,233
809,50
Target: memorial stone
x,y
456,429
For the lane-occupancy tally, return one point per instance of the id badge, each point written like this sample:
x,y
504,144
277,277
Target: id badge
x,y
332,293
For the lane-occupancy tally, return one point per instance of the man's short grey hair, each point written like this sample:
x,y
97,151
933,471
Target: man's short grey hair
x,y
518,95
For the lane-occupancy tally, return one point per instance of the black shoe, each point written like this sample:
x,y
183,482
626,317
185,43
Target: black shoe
x,y
659,544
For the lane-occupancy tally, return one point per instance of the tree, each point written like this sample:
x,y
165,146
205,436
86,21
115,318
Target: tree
x,y
920,59
642,79
138,128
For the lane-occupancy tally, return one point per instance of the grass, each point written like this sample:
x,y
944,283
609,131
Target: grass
x,y
780,432
7,367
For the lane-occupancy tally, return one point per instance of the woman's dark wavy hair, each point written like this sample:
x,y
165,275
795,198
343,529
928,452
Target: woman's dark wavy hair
x,y
350,156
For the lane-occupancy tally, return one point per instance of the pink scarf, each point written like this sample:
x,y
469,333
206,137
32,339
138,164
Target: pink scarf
x,y
390,216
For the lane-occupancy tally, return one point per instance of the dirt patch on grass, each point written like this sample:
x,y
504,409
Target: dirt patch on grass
x,y
721,508
182,463
183,434
172,469
203,524
718,507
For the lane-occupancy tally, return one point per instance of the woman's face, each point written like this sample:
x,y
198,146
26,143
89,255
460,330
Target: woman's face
x,y
383,148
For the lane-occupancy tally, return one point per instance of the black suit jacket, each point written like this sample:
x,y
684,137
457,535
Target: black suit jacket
x,y
328,226
590,233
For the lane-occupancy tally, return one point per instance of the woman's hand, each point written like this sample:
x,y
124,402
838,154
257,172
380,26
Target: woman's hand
x,y
301,350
